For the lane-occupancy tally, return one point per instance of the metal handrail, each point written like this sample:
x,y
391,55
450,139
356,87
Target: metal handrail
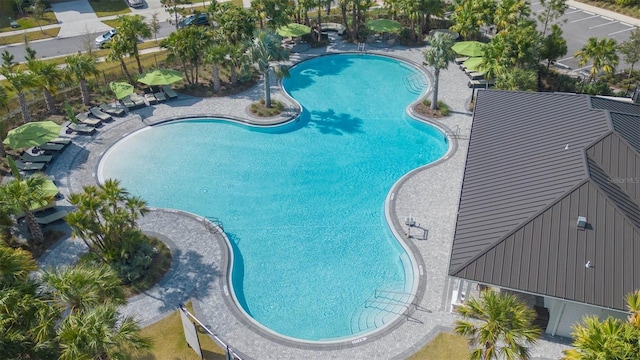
x,y
228,350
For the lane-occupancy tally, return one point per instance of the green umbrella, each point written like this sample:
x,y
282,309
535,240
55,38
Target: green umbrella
x,y
160,77
384,26
293,30
473,63
469,48
121,89
32,134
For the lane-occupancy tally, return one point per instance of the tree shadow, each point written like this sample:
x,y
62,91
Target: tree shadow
x,y
300,79
329,122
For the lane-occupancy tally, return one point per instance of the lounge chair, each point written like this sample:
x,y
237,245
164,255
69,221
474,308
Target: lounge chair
x,y
53,217
50,205
171,94
137,100
22,166
95,111
85,119
51,147
160,96
460,60
26,157
150,98
476,75
128,103
81,129
60,140
112,110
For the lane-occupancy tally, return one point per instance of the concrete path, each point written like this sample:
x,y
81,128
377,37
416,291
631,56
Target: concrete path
x,y
76,18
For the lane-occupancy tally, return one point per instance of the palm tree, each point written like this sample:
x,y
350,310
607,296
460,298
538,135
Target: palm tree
x,y
510,12
79,67
501,326
23,195
265,48
215,55
438,56
517,79
47,78
118,50
601,53
633,304
611,339
130,29
18,81
100,333
83,287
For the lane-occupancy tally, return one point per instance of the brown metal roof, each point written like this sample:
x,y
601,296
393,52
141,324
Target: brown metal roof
x,y
527,179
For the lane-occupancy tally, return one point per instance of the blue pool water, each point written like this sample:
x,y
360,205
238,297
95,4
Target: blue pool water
x,y
302,203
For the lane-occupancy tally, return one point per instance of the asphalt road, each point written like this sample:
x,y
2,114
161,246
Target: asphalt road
x,y
578,26
66,46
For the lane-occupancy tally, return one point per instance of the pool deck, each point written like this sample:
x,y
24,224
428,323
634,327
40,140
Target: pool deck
x,y
430,194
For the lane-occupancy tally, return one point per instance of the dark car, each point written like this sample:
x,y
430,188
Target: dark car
x,y
200,19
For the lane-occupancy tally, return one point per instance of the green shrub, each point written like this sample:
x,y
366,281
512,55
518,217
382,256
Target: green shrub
x,y
444,108
426,102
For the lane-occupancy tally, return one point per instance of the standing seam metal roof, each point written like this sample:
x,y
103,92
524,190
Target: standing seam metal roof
x,y
536,162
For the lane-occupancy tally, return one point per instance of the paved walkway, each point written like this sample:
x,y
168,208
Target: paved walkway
x,y
77,15
200,254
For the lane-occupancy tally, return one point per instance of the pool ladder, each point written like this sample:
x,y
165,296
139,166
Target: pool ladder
x,y
215,221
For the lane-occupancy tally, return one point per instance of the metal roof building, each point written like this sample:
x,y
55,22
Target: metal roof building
x,y
550,201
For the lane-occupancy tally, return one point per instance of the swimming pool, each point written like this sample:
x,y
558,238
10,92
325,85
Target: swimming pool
x,y
302,203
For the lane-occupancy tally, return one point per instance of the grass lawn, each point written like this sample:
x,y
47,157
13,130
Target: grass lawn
x,y
109,7
444,346
28,22
169,342
113,23
31,36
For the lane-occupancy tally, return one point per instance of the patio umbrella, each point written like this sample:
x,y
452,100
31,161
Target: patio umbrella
x,y
293,30
384,25
469,48
473,63
32,134
121,89
160,77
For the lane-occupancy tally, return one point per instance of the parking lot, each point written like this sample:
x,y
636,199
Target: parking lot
x,y
578,26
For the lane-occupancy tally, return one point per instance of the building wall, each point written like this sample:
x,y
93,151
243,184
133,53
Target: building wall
x,y
563,315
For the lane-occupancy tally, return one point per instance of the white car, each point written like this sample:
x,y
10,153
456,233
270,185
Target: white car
x,y
104,38
135,3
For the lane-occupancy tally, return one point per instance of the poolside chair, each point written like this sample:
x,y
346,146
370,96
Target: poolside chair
x,y
50,205
128,103
85,119
171,94
112,110
95,111
81,129
53,217
137,100
476,75
22,166
60,140
460,60
150,98
51,147
160,96
27,157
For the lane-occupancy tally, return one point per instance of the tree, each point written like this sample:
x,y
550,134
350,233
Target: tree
x,y
510,12
469,15
18,81
154,26
265,48
187,46
517,79
553,10
553,46
215,55
128,32
236,27
630,49
47,77
501,326
79,68
37,9
272,13
601,53
438,56
23,195
118,49
82,287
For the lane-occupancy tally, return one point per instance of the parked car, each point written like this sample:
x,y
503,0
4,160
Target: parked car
x,y
104,38
200,19
135,3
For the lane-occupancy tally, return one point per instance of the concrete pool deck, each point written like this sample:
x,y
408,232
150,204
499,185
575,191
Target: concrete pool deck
x,y
430,194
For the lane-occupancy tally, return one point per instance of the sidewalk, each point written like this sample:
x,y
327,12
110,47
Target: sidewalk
x,y
603,12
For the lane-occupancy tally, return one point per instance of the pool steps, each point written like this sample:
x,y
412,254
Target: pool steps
x,y
415,83
382,307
